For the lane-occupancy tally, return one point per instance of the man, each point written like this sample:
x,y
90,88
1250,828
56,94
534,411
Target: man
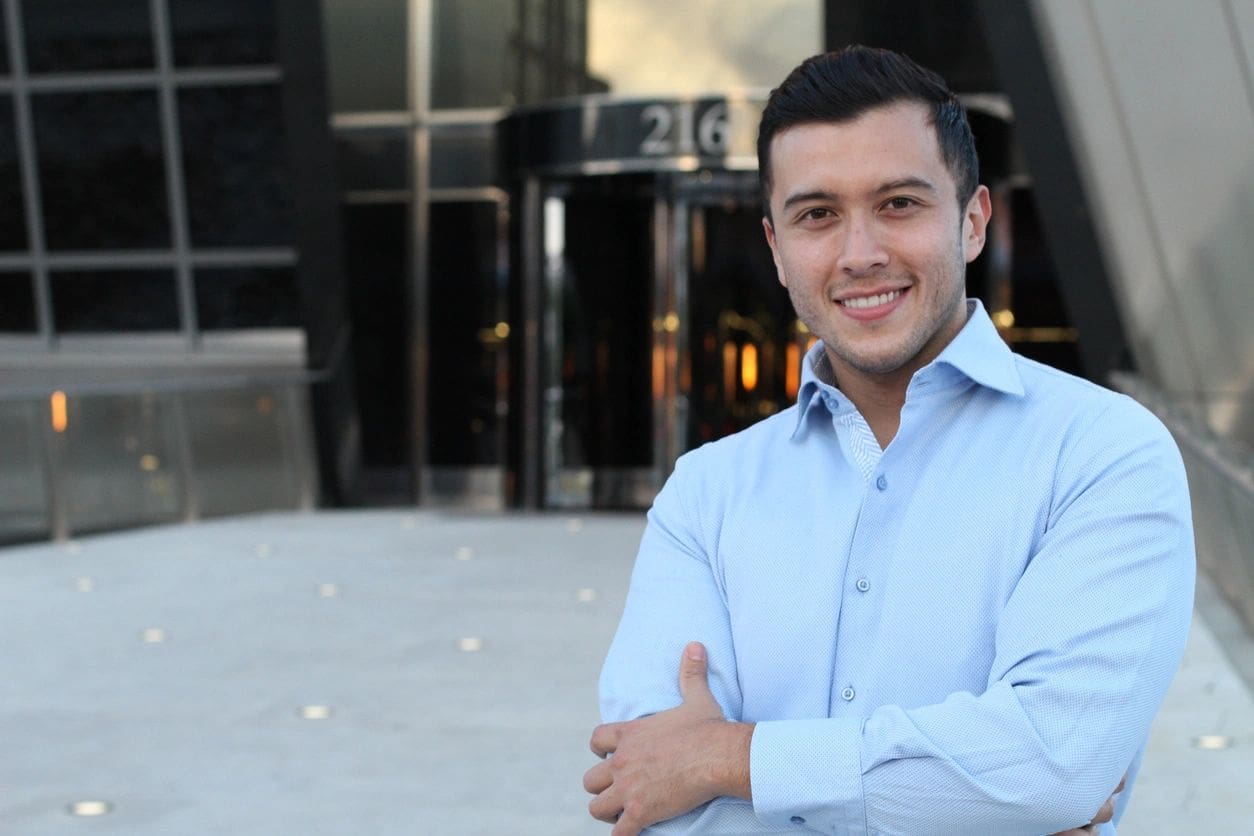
x,y
943,593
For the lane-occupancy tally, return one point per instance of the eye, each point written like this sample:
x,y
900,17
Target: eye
x,y
901,203
815,213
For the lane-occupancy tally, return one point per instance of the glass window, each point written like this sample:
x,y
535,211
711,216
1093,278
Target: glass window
x,y
101,171
17,303
463,156
238,187
76,35
377,257
465,334
23,487
249,297
4,45
367,59
700,45
96,301
475,53
12,207
223,32
372,162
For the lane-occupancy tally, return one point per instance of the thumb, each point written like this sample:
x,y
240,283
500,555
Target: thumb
x,y
694,684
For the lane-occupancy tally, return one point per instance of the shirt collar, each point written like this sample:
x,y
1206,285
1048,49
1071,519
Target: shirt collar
x,y
977,353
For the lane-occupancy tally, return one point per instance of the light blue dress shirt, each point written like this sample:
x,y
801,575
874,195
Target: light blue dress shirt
x,y
968,632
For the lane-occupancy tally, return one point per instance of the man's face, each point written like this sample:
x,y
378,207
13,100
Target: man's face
x,y
869,240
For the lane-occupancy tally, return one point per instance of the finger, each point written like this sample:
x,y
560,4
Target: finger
x,y
1122,782
694,684
1106,813
605,739
605,807
598,779
625,826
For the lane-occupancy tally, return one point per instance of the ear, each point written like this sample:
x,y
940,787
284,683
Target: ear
x,y
770,240
975,223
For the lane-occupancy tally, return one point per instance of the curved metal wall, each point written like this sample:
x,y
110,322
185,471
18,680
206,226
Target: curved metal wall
x,y
1159,104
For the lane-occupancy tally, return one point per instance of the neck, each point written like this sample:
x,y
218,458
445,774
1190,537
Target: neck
x,y
879,399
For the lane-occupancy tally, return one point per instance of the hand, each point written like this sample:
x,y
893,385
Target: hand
x,y
669,763
1105,814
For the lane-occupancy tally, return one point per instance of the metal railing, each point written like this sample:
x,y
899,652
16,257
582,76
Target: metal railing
x,y
1221,483
95,457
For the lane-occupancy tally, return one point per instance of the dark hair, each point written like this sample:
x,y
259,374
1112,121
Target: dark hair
x,y
842,85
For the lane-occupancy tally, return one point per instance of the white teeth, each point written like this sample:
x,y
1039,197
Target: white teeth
x,y
870,301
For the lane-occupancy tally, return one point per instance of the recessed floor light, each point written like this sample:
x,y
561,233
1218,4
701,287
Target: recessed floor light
x,y
315,712
583,596
1212,741
328,590
90,808
407,522
153,635
263,550
84,584
464,553
469,644
574,525
73,548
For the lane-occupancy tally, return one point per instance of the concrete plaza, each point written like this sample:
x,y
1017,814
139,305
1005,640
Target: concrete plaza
x,y
393,672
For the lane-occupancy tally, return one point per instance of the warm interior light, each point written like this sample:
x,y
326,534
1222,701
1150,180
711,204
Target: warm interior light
x,y
501,330
749,366
729,372
1004,318
60,418
792,370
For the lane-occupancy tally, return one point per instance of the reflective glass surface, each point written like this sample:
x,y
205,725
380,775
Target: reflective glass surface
x,y
476,52
23,488
367,61
372,162
246,447
89,301
463,156
100,170
248,297
17,303
12,211
223,32
77,35
4,46
119,462
464,299
238,186
376,239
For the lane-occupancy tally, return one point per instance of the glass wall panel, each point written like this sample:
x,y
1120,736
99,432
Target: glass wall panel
x,y
223,32
77,35
366,54
100,170
4,46
466,333
463,156
244,450
12,209
87,301
475,51
17,303
23,488
249,297
238,189
373,162
377,246
120,462
699,45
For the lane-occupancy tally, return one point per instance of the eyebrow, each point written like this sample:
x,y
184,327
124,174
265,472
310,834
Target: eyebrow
x,y
890,186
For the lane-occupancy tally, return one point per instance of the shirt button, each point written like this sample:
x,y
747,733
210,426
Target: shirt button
x,y
863,584
797,820
846,694
882,482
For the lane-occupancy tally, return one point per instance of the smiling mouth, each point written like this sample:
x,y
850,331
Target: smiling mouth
x,y
871,301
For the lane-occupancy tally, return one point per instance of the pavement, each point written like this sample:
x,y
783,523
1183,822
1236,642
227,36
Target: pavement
x,y
397,672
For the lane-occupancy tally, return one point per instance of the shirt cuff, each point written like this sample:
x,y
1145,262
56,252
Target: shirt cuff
x,y
808,774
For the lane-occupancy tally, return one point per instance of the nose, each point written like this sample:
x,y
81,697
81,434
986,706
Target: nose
x,y
861,251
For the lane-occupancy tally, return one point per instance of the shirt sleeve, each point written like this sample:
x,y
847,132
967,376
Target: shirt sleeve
x,y
1086,647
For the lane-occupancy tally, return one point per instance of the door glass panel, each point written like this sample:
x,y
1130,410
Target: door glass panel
x,y
745,342
599,248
